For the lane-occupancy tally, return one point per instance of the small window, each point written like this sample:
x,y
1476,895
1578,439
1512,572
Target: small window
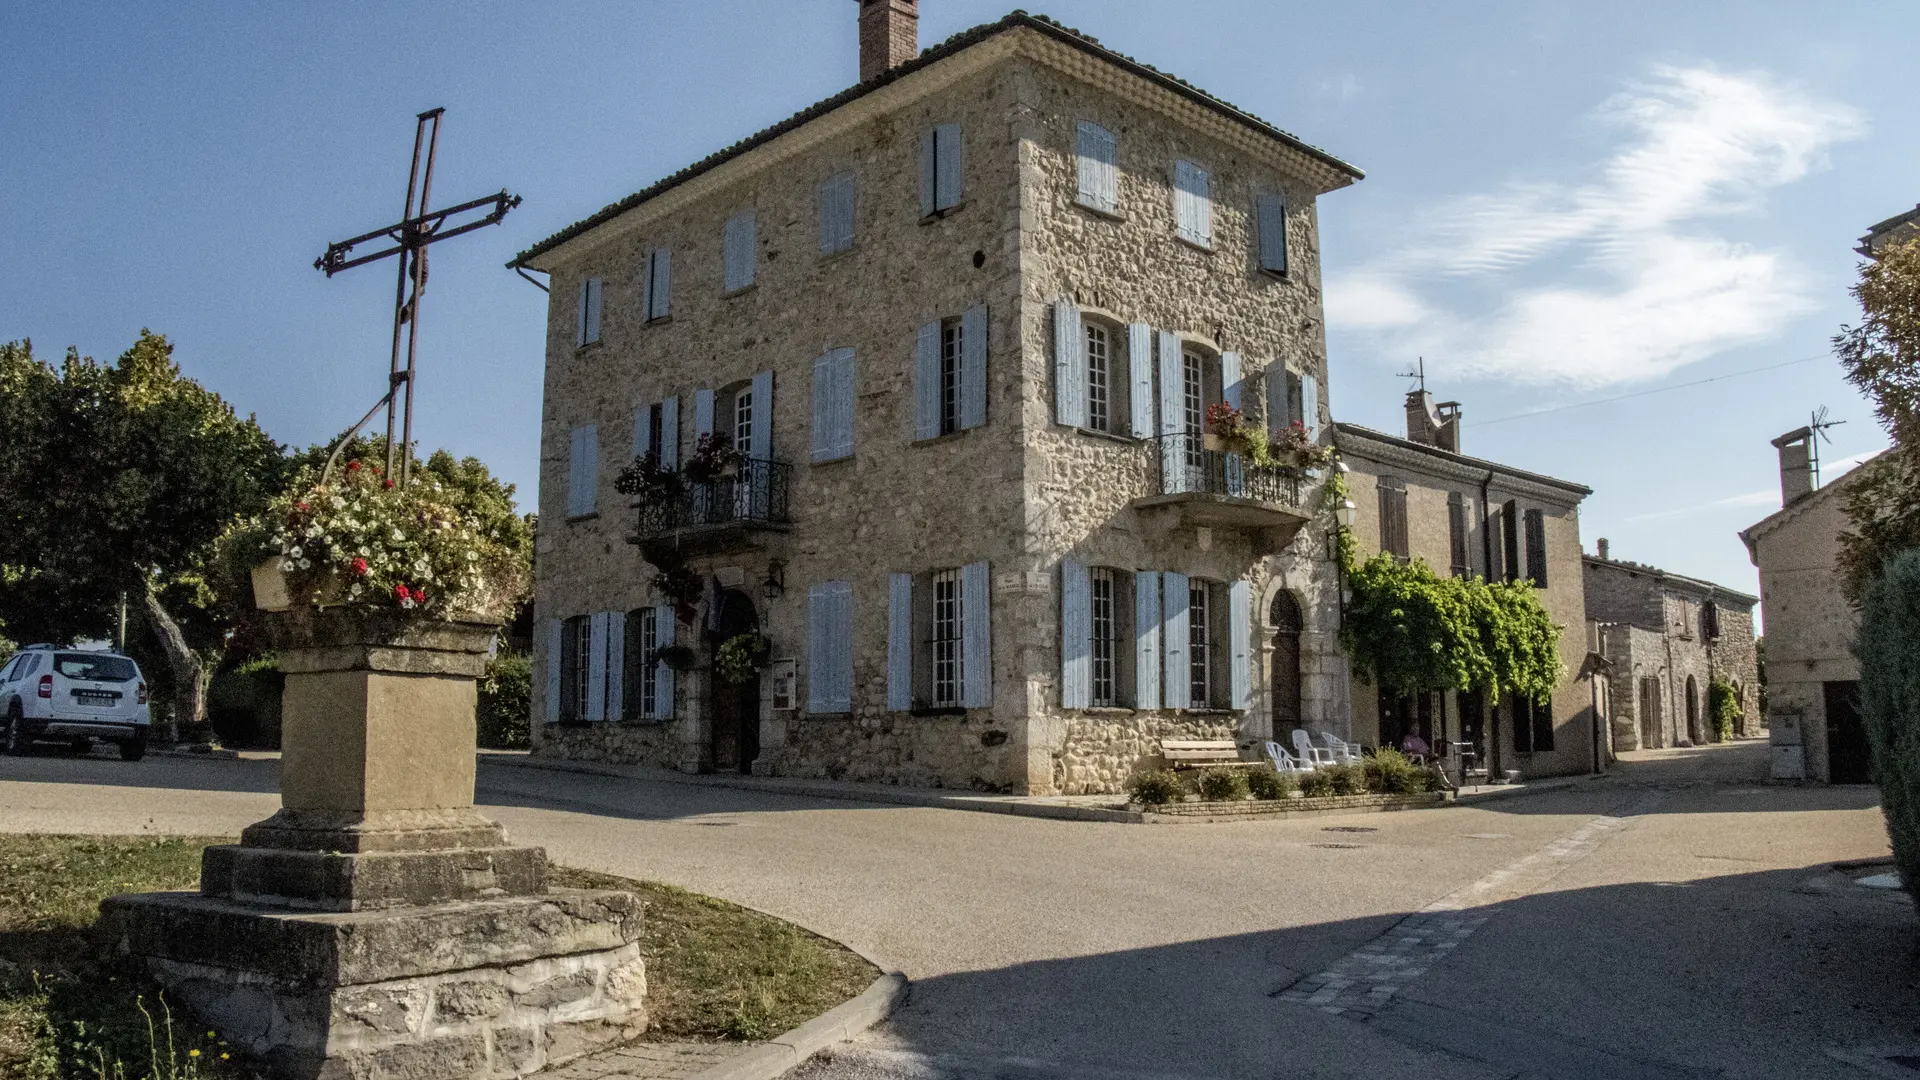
x,y
576,647
642,678
592,299
833,400
1536,525
1200,642
948,640
659,284
739,241
94,667
1393,518
1112,608
836,213
743,422
1532,726
583,469
951,335
941,169
1271,219
1193,203
1457,534
1710,620
656,432
1094,156
1510,540
1099,377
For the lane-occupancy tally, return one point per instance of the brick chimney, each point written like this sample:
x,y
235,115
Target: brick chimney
x,y
889,35
1601,547
1796,464
1433,425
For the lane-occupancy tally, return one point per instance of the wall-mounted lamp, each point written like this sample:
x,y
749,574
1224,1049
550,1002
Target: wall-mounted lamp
x,y
775,585
1343,514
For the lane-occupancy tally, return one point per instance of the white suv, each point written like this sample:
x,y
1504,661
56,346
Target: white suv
x,y
73,696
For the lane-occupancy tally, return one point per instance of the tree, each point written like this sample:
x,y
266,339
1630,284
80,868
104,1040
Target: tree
x,y
1881,356
116,480
1889,651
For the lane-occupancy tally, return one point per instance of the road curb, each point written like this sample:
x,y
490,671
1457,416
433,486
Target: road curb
x,y
837,1025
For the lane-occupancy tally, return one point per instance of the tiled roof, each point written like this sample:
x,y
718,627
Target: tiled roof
x,y
1697,584
957,43
1341,427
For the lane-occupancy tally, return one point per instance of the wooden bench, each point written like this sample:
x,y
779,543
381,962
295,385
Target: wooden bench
x,y
1204,754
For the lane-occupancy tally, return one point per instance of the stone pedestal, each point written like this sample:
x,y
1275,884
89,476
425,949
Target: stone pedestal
x,y
378,925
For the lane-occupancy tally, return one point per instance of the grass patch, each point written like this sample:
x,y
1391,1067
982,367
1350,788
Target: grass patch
x,y
714,970
719,971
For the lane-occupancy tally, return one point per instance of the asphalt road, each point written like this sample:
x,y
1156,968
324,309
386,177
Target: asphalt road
x,y
1675,920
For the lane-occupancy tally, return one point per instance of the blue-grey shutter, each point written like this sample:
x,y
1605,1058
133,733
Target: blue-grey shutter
x,y
1174,639
1277,418
836,213
597,667
929,188
1140,362
662,300
1076,635
1173,415
1069,365
596,292
1230,377
664,623
762,424
642,429
580,319
616,665
1240,645
1146,639
948,185
926,382
819,649
1310,405
843,399
1192,203
1094,151
1273,233
900,642
702,413
976,637
822,438
738,242
582,471
556,649
973,367
670,432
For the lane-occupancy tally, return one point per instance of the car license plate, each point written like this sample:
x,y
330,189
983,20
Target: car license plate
x,y
95,697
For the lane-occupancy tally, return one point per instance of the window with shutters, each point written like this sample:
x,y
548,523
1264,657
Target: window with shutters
x,y
948,641
836,214
942,168
1108,645
833,400
1457,534
1200,659
1510,540
592,303
1532,726
656,432
743,422
1099,377
1393,518
1193,402
659,283
1270,214
643,674
1710,620
1098,179
1536,525
583,471
951,357
576,650
1193,204
739,241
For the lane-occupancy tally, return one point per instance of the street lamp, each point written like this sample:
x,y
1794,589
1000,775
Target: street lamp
x,y
1343,515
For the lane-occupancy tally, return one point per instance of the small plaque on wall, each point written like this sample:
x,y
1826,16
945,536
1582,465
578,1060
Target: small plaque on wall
x,y
785,675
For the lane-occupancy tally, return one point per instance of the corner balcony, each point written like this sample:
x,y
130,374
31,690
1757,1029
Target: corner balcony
x,y
730,513
1196,487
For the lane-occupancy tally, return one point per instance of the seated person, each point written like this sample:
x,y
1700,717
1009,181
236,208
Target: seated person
x,y
1413,745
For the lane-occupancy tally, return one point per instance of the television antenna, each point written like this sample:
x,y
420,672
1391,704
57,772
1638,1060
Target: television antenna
x,y
1817,426
1418,374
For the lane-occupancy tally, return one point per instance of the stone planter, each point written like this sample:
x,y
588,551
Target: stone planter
x,y
378,925
1302,806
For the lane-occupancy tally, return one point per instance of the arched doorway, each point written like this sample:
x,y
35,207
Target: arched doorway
x,y
1284,680
1693,713
736,706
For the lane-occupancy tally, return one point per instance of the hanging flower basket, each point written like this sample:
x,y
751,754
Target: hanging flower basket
x,y
742,657
714,458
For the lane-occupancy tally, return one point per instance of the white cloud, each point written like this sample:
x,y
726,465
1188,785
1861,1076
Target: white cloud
x,y
1766,498
1617,278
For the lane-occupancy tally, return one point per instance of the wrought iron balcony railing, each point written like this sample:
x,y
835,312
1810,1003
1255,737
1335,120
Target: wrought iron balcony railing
x,y
1187,467
754,496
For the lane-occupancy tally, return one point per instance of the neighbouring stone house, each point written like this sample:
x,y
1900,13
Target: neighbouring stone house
x,y
964,320
1667,638
1813,680
1897,229
1420,498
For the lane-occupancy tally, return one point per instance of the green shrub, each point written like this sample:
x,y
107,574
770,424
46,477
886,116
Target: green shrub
x,y
1157,788
1347,779
1269,783
1317,784
506,702
1223,785
1390,772
1723,708
1888,646
243,704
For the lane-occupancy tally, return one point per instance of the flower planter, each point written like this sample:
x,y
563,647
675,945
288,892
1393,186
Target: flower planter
x,y
1214,443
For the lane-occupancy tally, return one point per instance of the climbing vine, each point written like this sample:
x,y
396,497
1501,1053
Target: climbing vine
x,y
1407,628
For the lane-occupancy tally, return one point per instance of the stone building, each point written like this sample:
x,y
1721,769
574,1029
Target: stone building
x,y
1898,229
1667,639
1420,498
1812,677
964,320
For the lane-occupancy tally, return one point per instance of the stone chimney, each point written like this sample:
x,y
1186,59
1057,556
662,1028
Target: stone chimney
x,y
1433,425
1600,548
1796,464
889,35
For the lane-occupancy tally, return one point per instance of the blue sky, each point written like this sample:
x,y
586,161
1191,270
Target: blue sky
x,y
1565,202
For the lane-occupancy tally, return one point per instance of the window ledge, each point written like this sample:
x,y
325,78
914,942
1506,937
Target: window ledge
x,y
805,715
1204,249
661,321
1275,275
1099,212
1105,710
835,256
594,344
741,291
948,437
816,462
1207,712
944,212
939,710
572,518
1107,436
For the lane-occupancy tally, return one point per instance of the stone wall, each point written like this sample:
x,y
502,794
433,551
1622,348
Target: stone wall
x,y
1670,643
966,750
1810,627
1104,748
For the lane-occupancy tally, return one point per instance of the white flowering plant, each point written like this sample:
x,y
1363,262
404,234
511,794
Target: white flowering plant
x,y
434,548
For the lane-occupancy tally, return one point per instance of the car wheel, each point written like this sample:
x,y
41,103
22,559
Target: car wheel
x,y
82,747
133,749
16,740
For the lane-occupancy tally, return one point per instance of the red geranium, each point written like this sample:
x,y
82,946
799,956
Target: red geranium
x,y
360,567
401,594
353,466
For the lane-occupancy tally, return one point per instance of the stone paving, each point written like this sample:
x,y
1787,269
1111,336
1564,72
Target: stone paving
x,y
648,1061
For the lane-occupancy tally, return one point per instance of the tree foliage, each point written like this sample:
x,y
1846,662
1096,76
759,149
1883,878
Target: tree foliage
x,y
1888,647
1881,356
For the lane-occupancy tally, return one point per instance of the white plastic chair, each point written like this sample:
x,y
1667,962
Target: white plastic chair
x,y
1285,762
1313,756
1341,750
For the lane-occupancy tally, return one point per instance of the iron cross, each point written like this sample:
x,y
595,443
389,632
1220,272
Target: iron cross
x,y
418,227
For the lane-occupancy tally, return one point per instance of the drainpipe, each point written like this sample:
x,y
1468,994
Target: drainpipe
x,y
1492,727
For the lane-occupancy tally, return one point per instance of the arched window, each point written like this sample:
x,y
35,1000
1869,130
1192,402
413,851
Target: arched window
x,y
1284,617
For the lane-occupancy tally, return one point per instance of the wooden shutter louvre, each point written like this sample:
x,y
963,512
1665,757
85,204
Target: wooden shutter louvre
x,y
580,319
973,367
948,177
665,622
556,649
1230,378
1140,364
1240,645
738,243
1094,153
670,432
900,642
926,382
659,283
1536,523
822,435
616,665
596,293
929,187
702,413
1173,414
761,426
1272,215
1510,539
1192,203
642,430
976,645
582,468
596,703
836,213
1069,365
1175,635
1146,635
1076,635
1310,405
829,647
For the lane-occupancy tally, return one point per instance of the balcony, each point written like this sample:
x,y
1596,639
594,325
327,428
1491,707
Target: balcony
x,y
724,514
1197,487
